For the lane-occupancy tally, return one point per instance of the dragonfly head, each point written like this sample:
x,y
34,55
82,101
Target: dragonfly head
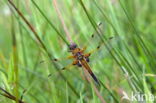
x,y
72,46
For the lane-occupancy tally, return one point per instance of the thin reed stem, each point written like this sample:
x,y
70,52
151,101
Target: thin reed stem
x,y
62,21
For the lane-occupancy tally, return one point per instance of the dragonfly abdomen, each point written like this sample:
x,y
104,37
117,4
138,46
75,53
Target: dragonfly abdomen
x,y
94,77
87,67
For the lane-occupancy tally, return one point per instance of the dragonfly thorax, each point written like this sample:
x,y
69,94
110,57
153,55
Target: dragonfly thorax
x,y
77,53
79,56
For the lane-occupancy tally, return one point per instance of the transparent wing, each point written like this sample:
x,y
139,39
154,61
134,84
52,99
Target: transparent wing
x,y
103,51
65,62
94,47
92,40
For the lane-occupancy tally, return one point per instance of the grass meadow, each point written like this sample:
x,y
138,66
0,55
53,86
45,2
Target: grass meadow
x,y
35,32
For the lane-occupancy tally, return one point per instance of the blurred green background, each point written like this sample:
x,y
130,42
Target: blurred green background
x,y
124,64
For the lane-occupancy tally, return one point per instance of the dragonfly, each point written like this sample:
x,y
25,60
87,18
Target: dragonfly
x,y
82,59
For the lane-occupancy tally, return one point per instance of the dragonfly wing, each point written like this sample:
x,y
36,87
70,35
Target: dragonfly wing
x,y
104,49
91,37
61,62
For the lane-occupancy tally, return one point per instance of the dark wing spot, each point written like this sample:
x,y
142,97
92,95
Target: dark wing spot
x,y
63,68
92,36
49,75
42,61
111,38
98,47
99,23
89,54
55,59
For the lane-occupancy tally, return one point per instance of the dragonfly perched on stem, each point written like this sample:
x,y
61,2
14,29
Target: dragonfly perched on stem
x,y
80,58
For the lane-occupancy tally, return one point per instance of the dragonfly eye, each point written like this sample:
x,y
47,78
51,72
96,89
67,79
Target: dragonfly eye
x,y
72,46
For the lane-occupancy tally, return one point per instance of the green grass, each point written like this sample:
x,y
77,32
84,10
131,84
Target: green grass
x,y
125,64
